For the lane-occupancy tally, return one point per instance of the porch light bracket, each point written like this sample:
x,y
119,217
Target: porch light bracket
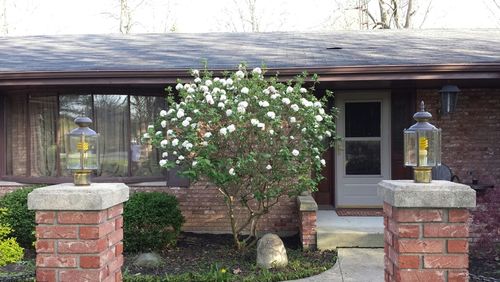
x,y
422,146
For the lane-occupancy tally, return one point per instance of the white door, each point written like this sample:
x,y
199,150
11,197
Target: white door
x,y
362,157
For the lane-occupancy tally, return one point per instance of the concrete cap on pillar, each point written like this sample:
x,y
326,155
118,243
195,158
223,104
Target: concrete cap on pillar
x,y
437,194
66,196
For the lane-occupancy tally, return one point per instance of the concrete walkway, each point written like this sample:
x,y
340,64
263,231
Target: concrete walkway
x,y
335,231
353,264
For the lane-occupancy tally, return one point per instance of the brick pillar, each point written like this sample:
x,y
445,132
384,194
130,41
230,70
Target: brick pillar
x,y
426,230
307,221
79,231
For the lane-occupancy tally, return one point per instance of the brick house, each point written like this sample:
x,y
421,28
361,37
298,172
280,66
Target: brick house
x,y
378,77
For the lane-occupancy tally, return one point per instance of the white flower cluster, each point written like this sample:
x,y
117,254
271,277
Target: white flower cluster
x,y
211,109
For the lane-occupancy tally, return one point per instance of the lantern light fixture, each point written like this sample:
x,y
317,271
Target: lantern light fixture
x,y
82,151
449,96
422,146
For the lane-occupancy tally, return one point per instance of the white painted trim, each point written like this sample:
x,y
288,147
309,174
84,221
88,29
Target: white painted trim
x,y
369,198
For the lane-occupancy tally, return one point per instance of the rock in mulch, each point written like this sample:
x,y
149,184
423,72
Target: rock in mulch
x,y
271,252
149,260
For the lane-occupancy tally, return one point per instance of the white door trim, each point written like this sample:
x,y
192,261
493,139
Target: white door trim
x,y
365,195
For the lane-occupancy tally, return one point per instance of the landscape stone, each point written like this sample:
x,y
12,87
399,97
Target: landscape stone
x,y
271,252
149,260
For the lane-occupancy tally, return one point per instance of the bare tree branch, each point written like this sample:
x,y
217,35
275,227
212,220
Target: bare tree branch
x,y
4,26
125,17
383,14
246,16
497,3
426,14
371,16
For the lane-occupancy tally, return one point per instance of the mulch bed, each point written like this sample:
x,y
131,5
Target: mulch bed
x,y
485,268
360,212
197,252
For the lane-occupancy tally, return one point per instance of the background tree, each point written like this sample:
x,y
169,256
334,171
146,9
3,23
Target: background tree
x,y
391,14
379,14
4,27
253,16
494,9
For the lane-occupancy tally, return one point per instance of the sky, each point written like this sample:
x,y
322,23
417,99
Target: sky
x,y
35,17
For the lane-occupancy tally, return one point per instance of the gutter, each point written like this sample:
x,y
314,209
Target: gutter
x,y
326,73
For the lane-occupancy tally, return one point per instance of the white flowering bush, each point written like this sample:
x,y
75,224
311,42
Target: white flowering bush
x,y
256,138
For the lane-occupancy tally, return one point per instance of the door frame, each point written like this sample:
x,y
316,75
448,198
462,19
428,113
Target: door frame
x,y
341,97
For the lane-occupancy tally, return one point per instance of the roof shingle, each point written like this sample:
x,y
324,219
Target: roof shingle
x,y
143,52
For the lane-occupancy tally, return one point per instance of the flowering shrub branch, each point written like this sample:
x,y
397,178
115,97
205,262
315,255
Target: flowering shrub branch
x,y
256,138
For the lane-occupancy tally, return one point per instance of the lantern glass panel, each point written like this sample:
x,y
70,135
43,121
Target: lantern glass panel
x,y
410,148
434,157
428,147
83,152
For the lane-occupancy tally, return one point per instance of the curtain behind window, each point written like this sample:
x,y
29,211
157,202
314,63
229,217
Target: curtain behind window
x,y
43,148
16,139
111,122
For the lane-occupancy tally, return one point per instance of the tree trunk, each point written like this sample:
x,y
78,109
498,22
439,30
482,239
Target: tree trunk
x,y
383,15
125,17
233,222
409,14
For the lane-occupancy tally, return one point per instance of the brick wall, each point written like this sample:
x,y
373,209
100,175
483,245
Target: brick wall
x,y
204,209
471,135
308,229
470,138
423,244
79,245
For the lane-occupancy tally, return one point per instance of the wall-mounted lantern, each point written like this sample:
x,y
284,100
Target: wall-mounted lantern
x,y
422,146
83,151
449,96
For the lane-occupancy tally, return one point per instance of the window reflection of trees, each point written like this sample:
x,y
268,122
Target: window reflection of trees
x,y
71,107
111,122
144,158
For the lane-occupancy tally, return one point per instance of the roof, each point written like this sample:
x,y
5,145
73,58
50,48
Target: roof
x,y
170,51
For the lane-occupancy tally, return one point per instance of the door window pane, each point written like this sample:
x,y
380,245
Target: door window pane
x,y
144,110
362,119
42,114
71,107
362,157
111,122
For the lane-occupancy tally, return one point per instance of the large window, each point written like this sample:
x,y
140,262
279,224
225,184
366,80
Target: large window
x,y
36,126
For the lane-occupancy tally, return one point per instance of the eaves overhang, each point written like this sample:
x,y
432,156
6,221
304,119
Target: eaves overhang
x,y
486,71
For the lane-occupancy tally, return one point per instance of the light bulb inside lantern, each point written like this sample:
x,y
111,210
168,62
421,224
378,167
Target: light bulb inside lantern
x,y
423,144
83,147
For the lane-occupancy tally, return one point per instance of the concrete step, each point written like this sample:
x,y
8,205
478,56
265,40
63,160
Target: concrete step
x,y
335,231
